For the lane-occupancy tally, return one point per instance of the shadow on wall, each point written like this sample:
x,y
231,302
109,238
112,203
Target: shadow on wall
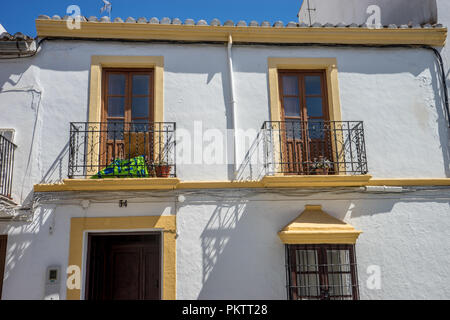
x,y
421,105
242,255
442,121
58,170
253,167
237,263
24,272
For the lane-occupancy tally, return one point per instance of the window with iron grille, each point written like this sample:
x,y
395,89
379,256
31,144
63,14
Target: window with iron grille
x,y
321,272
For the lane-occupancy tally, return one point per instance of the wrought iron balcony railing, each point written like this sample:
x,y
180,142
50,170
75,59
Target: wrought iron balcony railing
x,y
7,149
120,149
314,147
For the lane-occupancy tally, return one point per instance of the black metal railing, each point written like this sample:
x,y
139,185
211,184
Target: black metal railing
x,y
121,149
314,147
7,149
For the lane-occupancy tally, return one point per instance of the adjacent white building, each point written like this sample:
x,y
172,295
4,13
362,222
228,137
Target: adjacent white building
x,y
125,184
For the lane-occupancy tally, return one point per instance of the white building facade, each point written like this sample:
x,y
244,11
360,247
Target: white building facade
x,y
288,149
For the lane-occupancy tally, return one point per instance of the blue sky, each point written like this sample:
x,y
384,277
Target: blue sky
x,y
19,15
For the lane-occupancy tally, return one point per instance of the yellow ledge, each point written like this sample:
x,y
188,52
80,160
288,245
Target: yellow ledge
x,y
123,184
410,182
315,181
267,182
136,31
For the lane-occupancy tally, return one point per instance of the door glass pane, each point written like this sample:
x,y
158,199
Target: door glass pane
x,y
293,129
140,108
116,84
141,84
291,107
313,85
317,129
116,107
115,129
314,107
290,85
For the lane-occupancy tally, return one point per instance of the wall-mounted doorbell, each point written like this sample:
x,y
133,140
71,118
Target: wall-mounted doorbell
x,y
52,283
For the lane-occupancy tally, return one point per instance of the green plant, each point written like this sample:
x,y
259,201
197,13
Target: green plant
x,y
322,163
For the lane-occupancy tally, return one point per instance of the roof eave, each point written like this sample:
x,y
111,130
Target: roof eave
x,y
294,35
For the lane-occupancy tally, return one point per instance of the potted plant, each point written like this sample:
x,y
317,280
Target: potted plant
x,y
162,169
321,166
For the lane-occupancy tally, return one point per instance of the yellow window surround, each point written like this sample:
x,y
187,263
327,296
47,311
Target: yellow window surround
x,y
100,62
330,66
314,226
95,94
167,224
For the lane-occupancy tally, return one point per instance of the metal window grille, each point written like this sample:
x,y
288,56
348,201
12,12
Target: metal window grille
x,y
321,272
7,149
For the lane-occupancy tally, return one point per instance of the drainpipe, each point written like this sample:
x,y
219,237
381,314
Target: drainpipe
x,y
232,102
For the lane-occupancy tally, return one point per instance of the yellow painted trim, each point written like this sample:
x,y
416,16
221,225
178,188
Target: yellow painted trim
x,y
138,31
220,185
399,182
334,104
100,62
119,184
95,94
315,181
314,226
327,64
266,182
167,224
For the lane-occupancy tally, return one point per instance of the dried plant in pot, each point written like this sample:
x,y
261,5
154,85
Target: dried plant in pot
x,y
321,166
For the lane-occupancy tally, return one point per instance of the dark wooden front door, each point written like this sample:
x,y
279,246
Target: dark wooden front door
x,y
305,119
124,267
3,244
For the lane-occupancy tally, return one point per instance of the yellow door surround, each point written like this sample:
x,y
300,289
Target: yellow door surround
x,y
167,224
314,226
327,64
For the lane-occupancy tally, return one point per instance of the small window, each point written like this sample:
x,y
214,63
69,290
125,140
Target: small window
x,y
321,272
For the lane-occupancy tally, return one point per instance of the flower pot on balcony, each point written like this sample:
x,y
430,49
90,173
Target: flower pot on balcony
x,y
162,171
322,171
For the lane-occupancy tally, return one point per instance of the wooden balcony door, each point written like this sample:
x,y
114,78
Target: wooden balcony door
x,y
127,114
305,120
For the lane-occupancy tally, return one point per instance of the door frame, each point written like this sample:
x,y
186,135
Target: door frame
x,y
127,117
330,66
303,118
87,250
3,252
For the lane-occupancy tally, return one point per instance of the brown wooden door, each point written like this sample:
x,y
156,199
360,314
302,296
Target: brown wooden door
x,y
124,267
127,114
305,120
3,245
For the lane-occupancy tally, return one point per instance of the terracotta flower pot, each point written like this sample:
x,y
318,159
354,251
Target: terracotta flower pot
x,y
322,171
163,171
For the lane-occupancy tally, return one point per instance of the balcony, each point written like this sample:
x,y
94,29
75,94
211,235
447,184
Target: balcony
x,y
117,149
314,147
7,149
